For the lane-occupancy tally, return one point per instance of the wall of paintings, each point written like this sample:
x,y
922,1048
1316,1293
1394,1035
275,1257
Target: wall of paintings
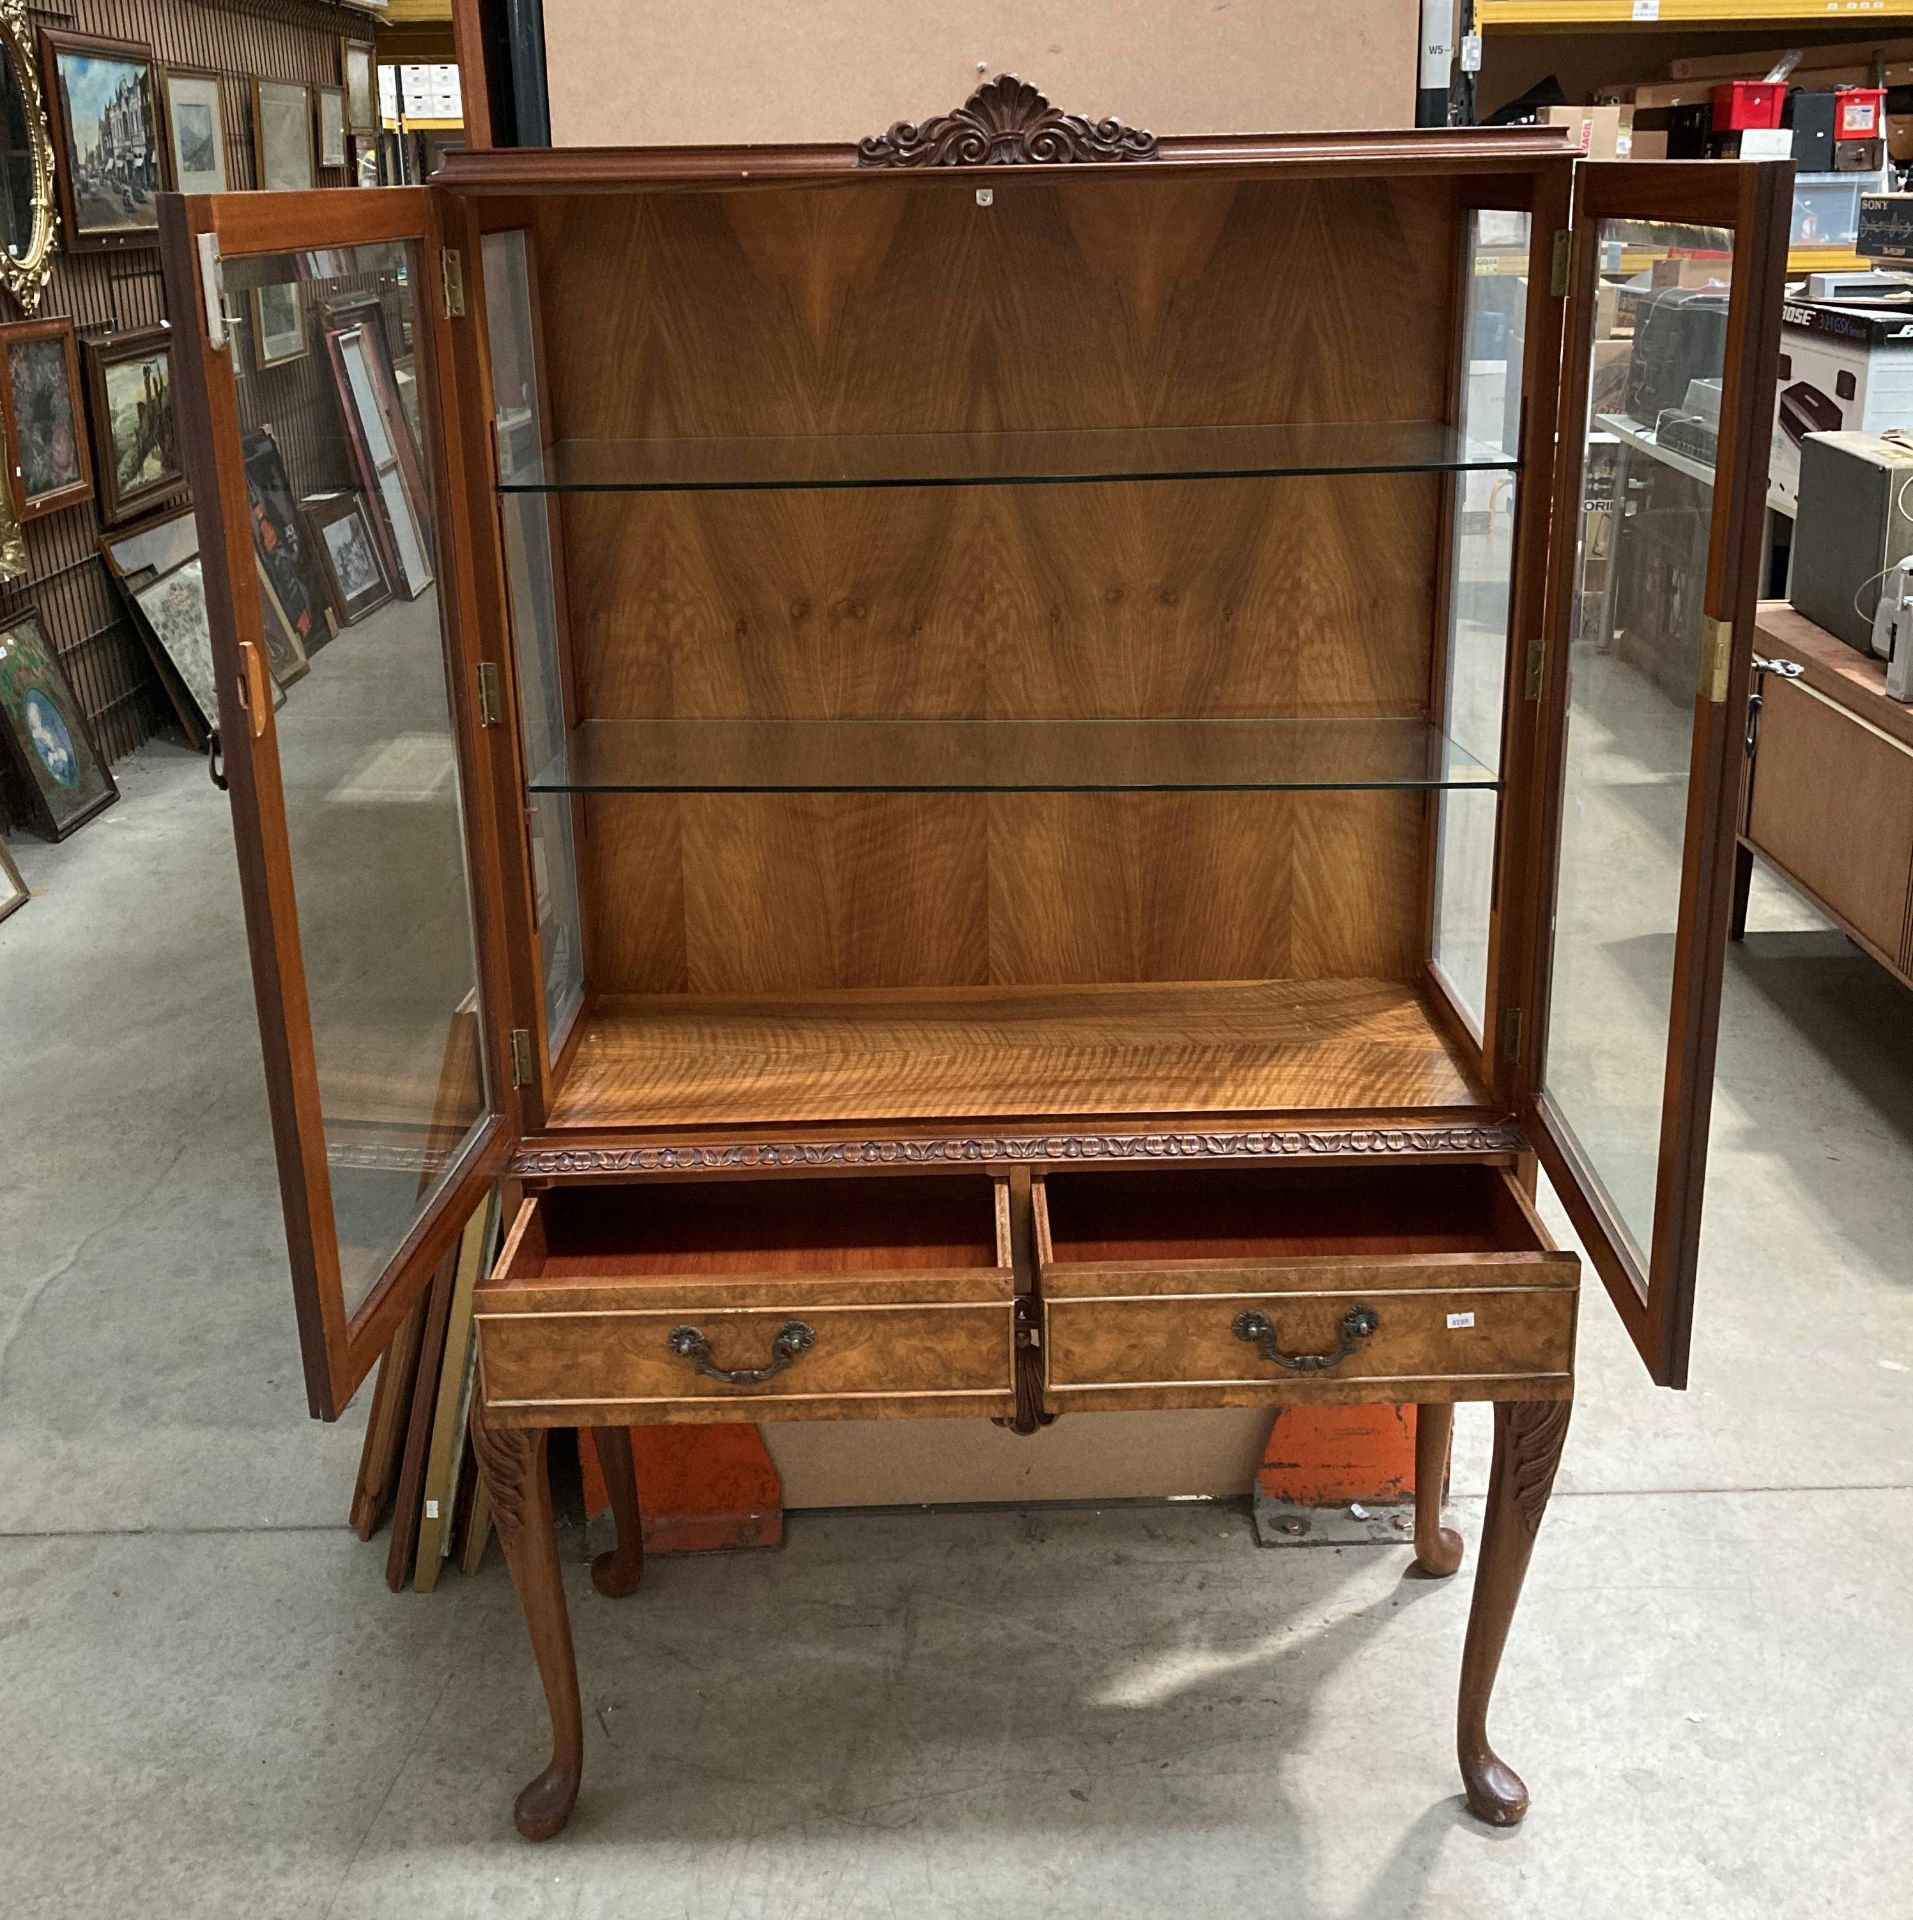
x,y
93,393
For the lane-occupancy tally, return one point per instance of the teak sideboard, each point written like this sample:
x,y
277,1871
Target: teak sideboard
x,y
972,769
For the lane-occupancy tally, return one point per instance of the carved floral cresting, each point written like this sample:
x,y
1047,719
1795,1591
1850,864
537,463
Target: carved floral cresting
x,y
1013,1149
1005,123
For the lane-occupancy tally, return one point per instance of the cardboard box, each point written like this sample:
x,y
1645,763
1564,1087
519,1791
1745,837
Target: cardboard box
x,y
1601,133
1842,369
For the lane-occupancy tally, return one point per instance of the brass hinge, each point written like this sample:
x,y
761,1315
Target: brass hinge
x,y
1537,657
491,701
1562,271
521,1056
1511,1034
1716,657
451,274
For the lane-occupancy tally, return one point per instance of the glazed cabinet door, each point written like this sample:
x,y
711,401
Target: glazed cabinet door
x,y
1674,282
358,715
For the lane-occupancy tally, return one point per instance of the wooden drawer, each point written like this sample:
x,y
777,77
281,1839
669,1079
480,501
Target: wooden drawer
x,y
825,1299
1182,1288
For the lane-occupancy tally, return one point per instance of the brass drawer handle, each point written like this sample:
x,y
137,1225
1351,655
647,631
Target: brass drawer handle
x,y
793,1338
1357,1324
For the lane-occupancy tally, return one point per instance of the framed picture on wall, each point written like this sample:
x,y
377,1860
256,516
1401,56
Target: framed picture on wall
x,y
195,129
129,379
328,104
47,463
41,725
361,86
103,102
278,323
282,135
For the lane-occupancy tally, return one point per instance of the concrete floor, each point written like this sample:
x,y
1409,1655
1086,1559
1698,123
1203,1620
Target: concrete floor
x,y
210,1705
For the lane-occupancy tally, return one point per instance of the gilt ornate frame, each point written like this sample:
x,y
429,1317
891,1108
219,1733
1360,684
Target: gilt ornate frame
x,y
26,278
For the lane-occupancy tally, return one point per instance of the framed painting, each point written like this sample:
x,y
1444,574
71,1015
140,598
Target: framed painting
x,y
386,455
342,538
195,129
278,324
47,465
129,378
328,105
356,69
154,546
174,608
279,539
360,310
13,890
285,653
282,135
137,555
103,101
44,731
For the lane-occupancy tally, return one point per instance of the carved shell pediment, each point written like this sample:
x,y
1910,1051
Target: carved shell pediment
x,y
1006,122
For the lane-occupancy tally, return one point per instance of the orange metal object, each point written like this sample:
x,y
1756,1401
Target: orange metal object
x,y
1328,1456
700,1489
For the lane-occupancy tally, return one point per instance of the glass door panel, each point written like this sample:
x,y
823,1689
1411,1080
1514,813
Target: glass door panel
x,y
1674,329
1636,629
532,578
1482,538
322,518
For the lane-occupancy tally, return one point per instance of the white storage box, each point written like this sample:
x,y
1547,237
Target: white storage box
x,y
1843,369
1826,206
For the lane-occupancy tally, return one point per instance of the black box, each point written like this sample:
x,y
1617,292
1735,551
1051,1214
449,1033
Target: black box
x,y
1810,115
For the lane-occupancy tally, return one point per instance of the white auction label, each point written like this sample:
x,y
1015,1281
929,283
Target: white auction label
x,y
1647,9
1461,1320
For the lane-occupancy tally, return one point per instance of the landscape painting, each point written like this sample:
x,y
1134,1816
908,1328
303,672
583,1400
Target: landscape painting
x,y
108,138
135,425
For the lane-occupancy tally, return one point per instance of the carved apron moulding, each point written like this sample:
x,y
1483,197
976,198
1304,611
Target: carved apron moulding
x,y
1013,1149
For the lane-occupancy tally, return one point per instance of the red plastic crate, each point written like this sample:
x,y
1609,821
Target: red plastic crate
x,y
1859,113
1740,104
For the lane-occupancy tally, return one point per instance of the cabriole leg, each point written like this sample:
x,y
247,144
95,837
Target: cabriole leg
x,y
1437,1548
1528,1437
512,1460
618,1572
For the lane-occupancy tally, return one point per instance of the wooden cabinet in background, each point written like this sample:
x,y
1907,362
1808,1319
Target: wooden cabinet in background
x,y
998,723
1829,794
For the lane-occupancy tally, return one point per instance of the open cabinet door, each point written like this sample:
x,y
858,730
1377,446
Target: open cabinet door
x,y
1667,408
314,354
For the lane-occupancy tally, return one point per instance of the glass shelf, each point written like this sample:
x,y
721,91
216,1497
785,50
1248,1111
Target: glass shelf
x,y
1005,756
989,459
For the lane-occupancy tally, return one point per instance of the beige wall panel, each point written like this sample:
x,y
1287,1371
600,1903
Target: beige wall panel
x,y
658,72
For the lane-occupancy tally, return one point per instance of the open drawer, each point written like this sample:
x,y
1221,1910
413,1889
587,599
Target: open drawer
x,y
1244,1287
795,1299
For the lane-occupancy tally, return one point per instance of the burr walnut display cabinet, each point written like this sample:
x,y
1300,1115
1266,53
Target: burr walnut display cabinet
x,y
989,773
